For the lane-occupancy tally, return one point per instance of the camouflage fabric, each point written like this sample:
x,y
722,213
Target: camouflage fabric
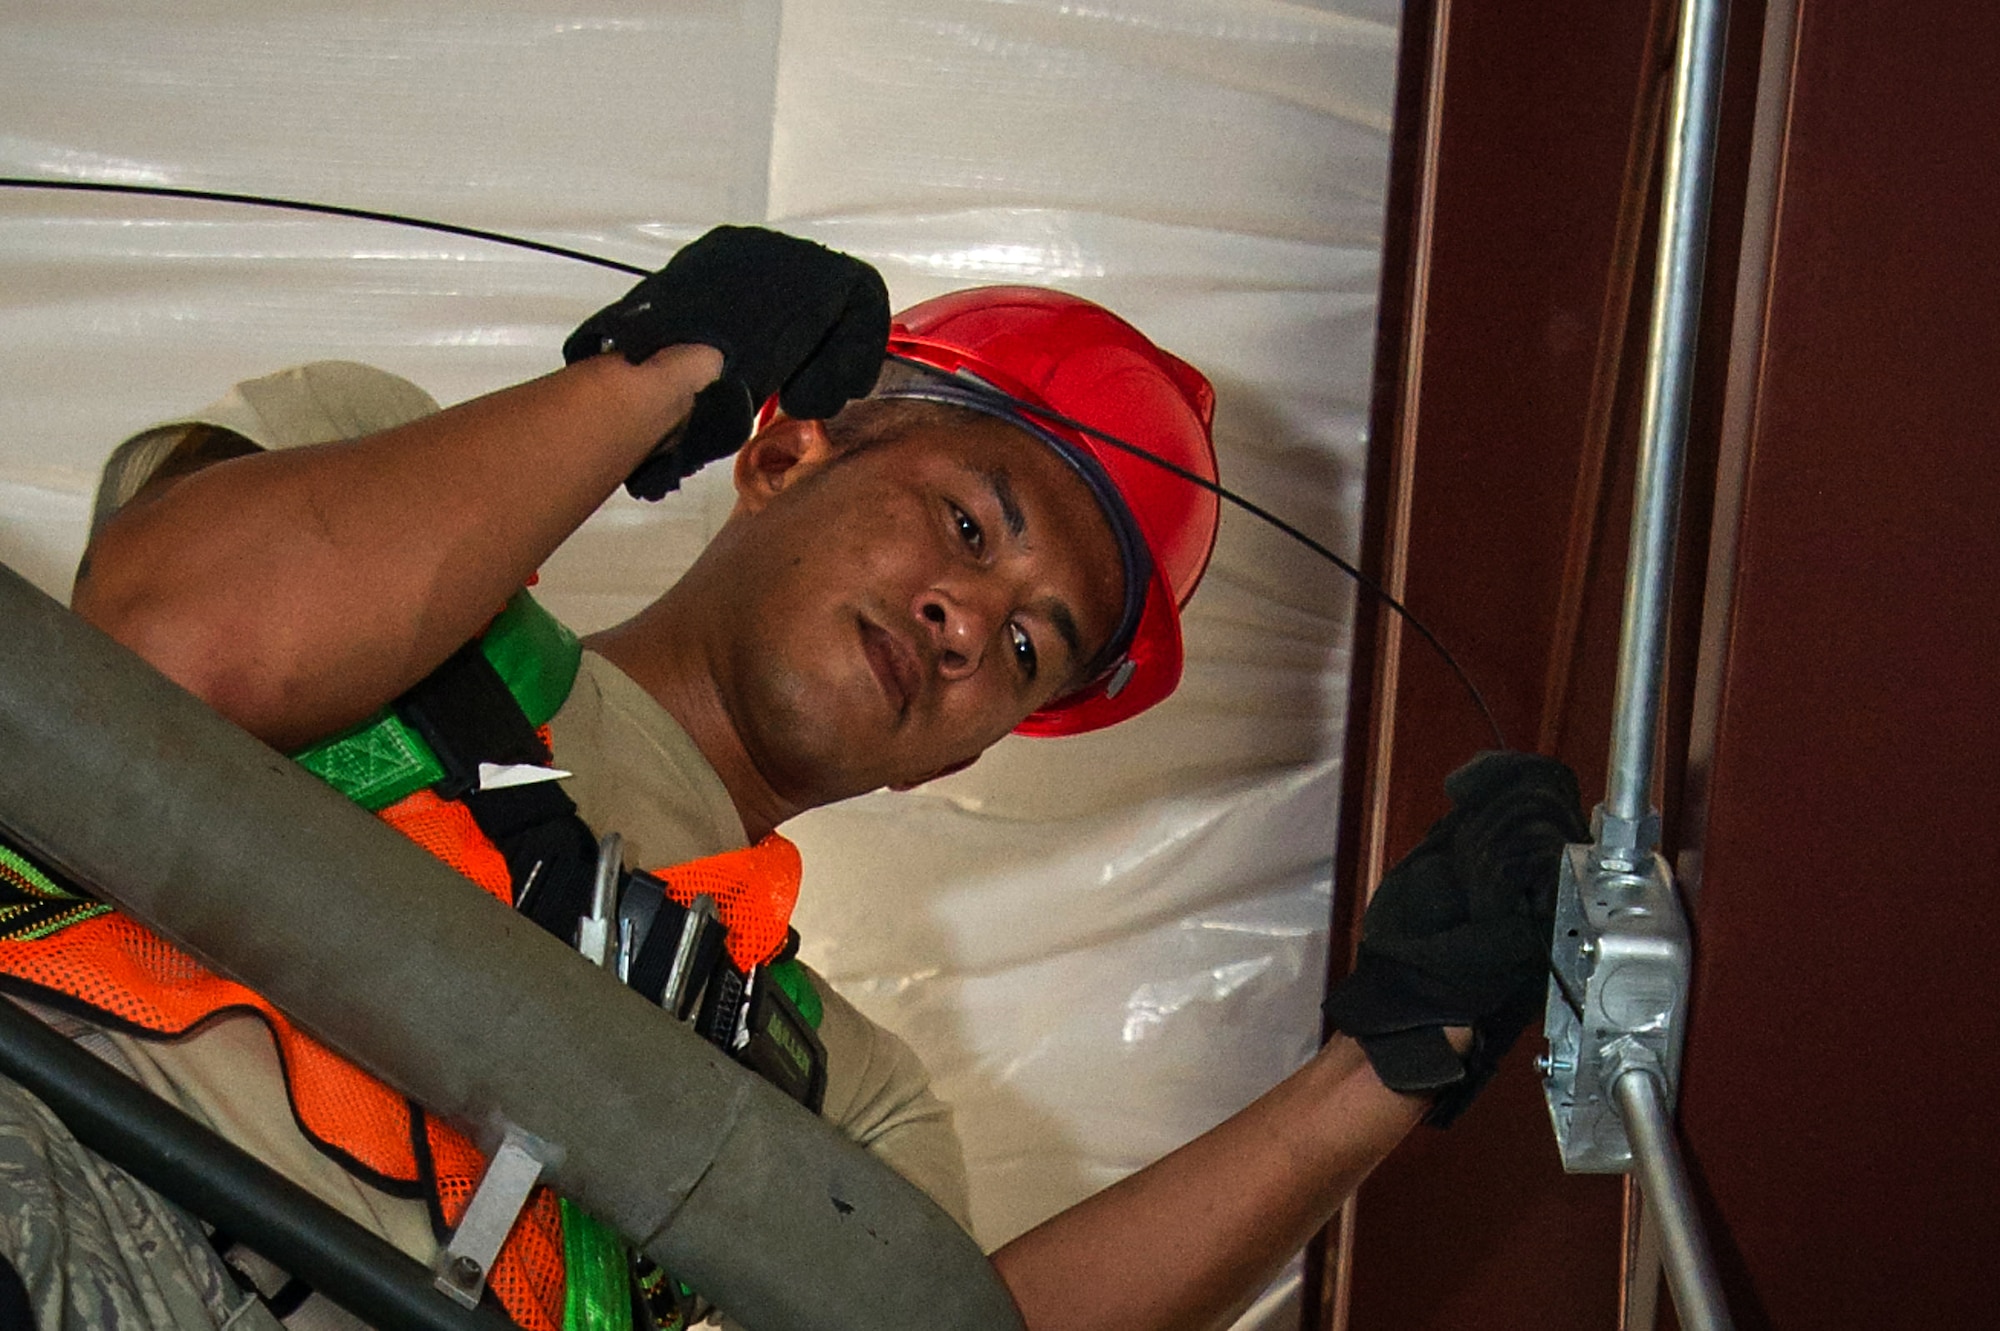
x,y
95,1249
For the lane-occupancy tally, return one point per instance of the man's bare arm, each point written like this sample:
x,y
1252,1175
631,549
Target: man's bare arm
x,y
299,591
1186,1242
1452,967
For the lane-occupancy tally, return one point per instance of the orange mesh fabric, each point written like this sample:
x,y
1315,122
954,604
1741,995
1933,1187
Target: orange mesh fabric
x,y
446,829
755,890
126,971
528,1276
131,974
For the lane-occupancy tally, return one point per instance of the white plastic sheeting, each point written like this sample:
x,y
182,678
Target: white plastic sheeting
x,y
1101,945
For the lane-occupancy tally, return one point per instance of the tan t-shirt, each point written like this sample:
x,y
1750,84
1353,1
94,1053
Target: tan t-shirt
x,y
636,772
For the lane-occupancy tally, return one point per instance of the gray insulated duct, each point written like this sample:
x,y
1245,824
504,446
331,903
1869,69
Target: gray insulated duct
x,y
248,862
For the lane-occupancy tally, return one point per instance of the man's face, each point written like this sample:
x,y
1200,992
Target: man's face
x,y
894,611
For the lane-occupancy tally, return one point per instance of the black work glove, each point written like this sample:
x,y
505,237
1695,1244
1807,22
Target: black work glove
x,y
789,316
1458,932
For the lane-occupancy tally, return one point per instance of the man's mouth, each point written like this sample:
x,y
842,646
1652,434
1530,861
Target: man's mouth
x,y
895,664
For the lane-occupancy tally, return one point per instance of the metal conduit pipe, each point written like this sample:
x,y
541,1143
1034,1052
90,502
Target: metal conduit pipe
x,y
1629,828
1628,823
1698,1301
230,850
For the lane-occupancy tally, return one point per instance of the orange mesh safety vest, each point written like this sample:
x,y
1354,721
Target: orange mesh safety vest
x,y
142,983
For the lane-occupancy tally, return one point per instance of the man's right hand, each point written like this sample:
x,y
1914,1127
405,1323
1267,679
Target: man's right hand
x,y
790,317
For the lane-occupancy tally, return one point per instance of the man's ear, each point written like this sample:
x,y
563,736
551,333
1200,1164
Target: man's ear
x,y
781,454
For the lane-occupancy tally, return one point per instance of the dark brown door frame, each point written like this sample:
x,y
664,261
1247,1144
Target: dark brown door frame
x,y
1516,268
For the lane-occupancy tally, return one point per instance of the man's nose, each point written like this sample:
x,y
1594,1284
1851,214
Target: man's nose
x,y
961,622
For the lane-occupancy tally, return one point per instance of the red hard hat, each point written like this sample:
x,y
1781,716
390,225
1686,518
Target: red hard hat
x,y
1056,361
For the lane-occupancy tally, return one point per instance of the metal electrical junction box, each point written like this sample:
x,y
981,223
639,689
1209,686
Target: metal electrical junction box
x,y
1617,1000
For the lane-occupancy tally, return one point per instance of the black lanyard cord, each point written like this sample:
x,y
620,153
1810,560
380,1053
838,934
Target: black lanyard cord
x,y
1374,588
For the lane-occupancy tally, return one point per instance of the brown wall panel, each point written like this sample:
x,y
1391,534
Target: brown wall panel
x,y
1478,1226
1847,843
1839,1090
1528,358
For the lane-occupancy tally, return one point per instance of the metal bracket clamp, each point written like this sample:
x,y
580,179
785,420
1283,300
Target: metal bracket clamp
x,y
465,1262
596,931
1617,1000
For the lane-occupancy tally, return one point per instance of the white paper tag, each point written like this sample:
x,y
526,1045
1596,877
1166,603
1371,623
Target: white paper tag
x,y
498,776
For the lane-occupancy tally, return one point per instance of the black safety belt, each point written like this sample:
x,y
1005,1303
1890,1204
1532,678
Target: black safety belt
x,y
466,713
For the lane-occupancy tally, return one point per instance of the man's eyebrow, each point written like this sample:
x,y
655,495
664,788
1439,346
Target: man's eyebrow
x,y
1065,622
1002,486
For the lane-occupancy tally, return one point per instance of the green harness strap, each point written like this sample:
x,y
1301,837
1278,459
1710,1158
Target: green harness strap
x,y
597,1273
382,760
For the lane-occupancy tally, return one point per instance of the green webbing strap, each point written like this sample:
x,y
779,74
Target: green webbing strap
x,y
597,1279
375,764
382,760
535,654
33,904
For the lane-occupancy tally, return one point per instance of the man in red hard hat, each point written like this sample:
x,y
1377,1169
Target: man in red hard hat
x,y
925,554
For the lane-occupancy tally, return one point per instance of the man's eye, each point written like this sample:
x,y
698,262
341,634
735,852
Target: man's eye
x,y
968,530
1024,648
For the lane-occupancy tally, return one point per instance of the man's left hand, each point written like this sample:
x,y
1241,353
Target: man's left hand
x,y
1457,935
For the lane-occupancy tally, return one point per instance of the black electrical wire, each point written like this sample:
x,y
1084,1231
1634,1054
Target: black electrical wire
x,y
1361,579
323,210
1255,510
